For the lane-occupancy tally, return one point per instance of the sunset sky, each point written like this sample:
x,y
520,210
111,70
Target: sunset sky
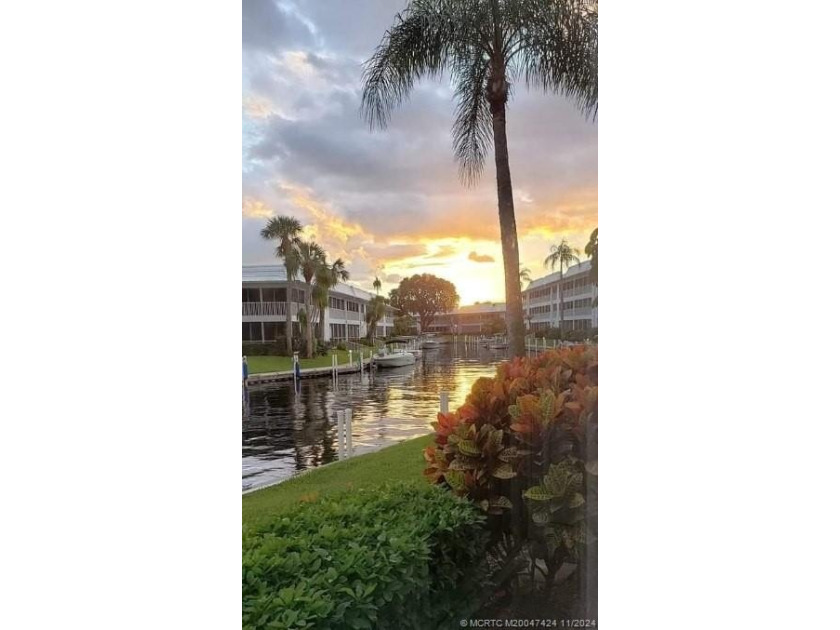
x,y
390,202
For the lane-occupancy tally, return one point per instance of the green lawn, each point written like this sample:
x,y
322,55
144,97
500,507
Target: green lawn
x,y
258,365
401,462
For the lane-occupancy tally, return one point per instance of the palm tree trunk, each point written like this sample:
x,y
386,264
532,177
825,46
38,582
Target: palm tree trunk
x,y
561,304
507,224
288,313
322,320
309,321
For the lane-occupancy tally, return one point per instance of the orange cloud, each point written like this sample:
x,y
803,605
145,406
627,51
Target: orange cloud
x,y
444,251
255,209
257,106
327,227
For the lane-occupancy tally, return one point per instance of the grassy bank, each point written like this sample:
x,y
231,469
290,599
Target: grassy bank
x,y
401,462
258,364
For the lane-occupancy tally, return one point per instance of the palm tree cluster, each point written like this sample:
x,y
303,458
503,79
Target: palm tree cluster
x,y
306,262
486,46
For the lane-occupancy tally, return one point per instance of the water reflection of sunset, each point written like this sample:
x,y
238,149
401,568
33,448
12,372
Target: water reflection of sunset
x,y
286,433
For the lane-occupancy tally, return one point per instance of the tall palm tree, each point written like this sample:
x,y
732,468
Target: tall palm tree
x,y
310,258
327,277
377,284
591,250
564,254
486,45
525,276
375,312
287,231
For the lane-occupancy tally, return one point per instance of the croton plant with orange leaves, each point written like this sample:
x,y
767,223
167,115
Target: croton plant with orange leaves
x,y
536,412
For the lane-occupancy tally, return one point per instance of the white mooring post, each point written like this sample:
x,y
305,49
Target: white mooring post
x,y
348,432
444,402
339,423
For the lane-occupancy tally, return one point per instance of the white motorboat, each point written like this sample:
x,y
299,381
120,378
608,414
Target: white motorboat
x,y
498,344
430,342
393,358
407,347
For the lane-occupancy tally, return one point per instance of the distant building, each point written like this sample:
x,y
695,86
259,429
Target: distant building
x,y
264,308
469,320
541,300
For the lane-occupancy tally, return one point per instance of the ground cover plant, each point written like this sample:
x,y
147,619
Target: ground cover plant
x,y
396,556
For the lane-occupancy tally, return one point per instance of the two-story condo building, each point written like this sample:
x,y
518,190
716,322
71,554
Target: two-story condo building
x,y
541,300
264,307
476,319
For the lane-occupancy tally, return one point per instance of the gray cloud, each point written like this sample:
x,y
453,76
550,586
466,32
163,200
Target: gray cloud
x,y
266,26
480,258
302,127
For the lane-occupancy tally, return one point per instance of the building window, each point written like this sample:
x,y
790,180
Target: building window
x,y
274,295
251,331
338,331
274,330
336,303
353,307
250,295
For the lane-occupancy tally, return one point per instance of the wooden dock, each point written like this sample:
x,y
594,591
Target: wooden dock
x,y
276,377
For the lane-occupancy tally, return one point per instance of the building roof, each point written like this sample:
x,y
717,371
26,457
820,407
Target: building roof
x,y
476,309
496,307
571,272
261,274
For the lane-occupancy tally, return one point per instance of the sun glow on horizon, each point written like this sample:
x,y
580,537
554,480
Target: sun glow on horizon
x,y
474,267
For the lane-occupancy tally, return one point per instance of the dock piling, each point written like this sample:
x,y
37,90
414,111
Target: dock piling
x,y
348,431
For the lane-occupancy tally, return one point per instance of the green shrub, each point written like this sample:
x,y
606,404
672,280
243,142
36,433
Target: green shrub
x,y
261,349
393,557
568,335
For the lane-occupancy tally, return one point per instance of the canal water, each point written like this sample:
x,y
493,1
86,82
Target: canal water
x,y
285,432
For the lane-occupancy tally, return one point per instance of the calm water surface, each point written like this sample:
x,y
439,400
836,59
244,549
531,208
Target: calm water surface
x,y
284,432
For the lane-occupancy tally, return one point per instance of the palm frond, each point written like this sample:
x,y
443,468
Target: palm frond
x,y
555,47
281,228
472,131
419,44
425,39
564,254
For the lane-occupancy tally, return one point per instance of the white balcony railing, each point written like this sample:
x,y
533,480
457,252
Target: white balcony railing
x,y
587,290
268,309
260,309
